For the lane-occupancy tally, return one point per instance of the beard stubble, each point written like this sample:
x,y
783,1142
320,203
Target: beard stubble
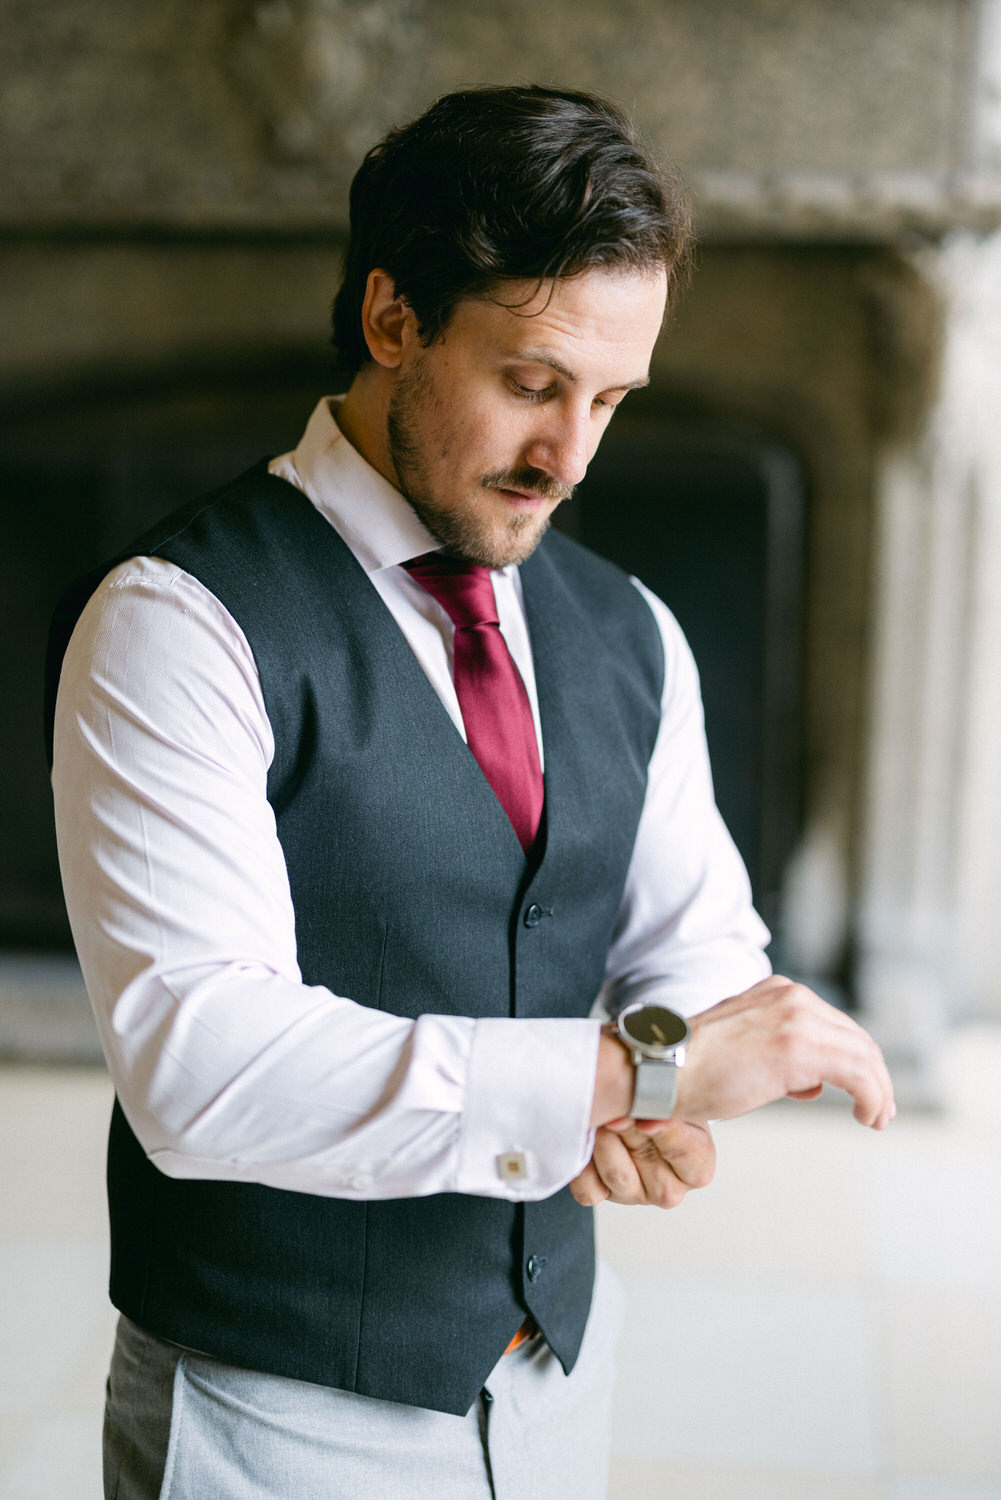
x,y
415,415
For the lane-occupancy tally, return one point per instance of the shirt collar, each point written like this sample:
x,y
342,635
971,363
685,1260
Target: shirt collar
x,y
369,513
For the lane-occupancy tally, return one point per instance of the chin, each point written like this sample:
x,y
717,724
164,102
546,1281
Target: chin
x,y
514,545
475,540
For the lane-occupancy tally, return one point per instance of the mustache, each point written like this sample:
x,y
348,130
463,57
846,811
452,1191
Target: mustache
x,y
531,481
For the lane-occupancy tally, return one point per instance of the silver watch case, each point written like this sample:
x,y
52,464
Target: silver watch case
x,y
656,1038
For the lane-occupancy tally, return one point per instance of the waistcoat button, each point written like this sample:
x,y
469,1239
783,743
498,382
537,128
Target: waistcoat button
x,y
534,1266
533,916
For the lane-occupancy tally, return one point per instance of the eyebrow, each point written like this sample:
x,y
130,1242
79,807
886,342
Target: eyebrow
x,y
544,357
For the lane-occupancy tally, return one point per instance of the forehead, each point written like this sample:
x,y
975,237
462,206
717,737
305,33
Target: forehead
x,y
596,319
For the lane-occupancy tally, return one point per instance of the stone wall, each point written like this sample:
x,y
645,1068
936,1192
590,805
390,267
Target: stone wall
x,y
173,193
788,115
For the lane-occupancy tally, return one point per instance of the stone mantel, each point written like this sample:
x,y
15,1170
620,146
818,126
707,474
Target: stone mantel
x,y
791,118
888,207
877,207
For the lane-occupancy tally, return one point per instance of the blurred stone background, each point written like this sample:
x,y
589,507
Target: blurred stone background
x,y
173,190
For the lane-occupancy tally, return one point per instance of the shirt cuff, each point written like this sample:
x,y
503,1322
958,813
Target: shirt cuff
x,y
525,1126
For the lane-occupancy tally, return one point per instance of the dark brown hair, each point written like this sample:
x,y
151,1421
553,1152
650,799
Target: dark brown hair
x,y
498,184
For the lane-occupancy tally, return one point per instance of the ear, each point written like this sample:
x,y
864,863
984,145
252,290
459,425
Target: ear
x,y
386,320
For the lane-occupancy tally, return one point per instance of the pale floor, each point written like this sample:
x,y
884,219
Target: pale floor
x,y
824,1323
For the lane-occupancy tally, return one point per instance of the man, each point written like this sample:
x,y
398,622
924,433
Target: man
x,y
367,787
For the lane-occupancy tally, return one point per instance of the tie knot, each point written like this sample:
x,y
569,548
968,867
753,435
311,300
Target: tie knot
x,y
464,590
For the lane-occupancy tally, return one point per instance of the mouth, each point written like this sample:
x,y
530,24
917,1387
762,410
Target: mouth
x,y
524,500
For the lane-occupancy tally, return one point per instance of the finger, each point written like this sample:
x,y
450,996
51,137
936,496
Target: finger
x,y
646,1127
660,1182
871,1087
842,1052
689,1150
877,1116
588,1188
617,1169
676,1158
855,1064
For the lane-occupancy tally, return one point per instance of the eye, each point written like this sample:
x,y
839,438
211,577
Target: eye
x,y
530,392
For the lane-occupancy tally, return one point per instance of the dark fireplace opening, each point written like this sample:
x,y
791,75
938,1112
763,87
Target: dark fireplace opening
x,y
711,516
83,472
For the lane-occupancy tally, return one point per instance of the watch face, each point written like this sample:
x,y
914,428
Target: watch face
x,y
655,1026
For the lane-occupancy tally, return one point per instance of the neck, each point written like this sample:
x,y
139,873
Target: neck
x,y
362,419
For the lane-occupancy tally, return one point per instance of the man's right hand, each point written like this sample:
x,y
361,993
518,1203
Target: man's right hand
x,y
779,1040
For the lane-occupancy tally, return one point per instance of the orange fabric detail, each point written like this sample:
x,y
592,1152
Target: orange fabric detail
x,y
527,1331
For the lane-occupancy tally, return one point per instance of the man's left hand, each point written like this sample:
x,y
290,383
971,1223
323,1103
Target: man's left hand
x,y
656,1165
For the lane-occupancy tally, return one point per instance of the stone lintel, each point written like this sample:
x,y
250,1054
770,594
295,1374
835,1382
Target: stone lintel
x,y
874,207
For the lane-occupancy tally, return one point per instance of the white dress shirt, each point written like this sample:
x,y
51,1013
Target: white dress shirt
x,y
226,1064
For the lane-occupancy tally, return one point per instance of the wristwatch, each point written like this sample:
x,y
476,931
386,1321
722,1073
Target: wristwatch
x,y
656,1038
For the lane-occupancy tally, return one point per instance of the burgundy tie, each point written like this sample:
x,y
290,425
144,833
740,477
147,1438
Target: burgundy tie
x,y
492,697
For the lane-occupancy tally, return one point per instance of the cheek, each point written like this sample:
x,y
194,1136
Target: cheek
x,y
483,439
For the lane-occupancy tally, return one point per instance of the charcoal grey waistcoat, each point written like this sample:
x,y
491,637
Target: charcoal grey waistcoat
x,y
411,894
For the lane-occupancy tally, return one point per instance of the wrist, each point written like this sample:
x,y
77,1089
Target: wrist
x,y
692,1104
614,1080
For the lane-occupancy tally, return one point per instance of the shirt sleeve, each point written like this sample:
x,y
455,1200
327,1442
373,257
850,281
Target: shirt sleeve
x,y
687,933
227,1065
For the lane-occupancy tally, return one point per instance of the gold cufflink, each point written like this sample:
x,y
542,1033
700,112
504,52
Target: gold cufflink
x,y
511,1165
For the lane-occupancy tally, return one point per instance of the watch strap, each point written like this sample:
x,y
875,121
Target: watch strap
x,y
656,1088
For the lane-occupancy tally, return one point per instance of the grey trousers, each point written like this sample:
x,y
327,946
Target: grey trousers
x,y
182,1426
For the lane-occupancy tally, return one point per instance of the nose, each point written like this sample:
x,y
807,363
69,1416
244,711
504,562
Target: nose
x,y
562,446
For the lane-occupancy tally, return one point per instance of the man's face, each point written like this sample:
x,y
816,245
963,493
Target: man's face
x,y
495,423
